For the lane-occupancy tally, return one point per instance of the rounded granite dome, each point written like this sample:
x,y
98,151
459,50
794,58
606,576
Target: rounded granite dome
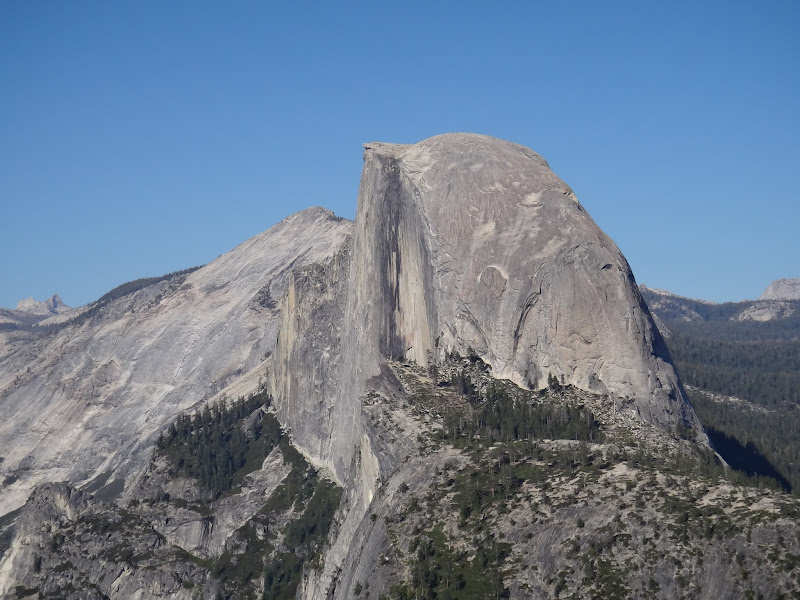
x,y
468,149
477,244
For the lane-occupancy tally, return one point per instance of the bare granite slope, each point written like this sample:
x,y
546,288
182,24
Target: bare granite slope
x,y
88,400
782,289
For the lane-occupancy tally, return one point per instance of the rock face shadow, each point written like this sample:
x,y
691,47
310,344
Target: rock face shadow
x,y
745,458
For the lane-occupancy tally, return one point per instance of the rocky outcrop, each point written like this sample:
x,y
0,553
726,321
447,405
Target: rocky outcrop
x,y
461,244
468,242
70,545
782,289
52,306
205,534
768,310
88,400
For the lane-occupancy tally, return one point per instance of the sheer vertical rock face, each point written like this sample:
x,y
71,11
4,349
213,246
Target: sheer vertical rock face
x,y
305,376
468,241
462,241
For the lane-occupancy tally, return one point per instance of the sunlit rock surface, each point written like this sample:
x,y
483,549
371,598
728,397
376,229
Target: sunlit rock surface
x,y
91,398
782,289
461,243
465,241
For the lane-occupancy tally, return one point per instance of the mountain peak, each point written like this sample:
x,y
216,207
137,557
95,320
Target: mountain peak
x,y
52,306
469,245
465,149
782,289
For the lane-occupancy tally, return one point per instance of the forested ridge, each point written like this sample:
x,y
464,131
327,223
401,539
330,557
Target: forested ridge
x,y
725,321
497,415
522,452
21,321
218,446
213,447
717,349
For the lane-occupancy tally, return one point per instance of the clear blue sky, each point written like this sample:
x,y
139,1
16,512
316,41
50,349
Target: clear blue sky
x,y
138,138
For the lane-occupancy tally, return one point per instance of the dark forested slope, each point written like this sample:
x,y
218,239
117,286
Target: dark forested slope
x,y
741,363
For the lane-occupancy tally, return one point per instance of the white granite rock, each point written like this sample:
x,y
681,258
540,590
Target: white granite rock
x,y
92,397
782,289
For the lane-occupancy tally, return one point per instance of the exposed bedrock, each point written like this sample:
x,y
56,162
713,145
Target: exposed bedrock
x,y
86,402
460,242
782,289
465,241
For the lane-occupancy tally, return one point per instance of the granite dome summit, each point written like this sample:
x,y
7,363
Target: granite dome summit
x,y
514,267
462,244
464,241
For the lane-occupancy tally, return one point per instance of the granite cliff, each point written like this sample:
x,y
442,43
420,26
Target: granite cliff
x,y
462,244
467,242
470,354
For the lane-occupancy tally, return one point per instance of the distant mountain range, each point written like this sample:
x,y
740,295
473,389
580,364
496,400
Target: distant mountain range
x,y
779,318
741,364
52,306
30,312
